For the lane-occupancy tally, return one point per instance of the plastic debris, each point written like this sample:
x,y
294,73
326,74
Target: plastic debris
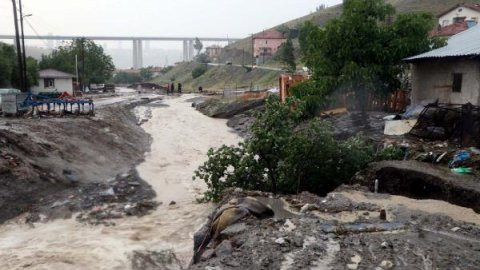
x,y
459,158
462,170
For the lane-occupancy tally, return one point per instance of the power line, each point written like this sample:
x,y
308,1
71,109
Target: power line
x,y
36,33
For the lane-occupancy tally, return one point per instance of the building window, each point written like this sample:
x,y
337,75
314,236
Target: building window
x,y
457,82
266,51
48,83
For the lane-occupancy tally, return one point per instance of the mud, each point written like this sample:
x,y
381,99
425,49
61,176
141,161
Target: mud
x,y
422,181
132,232
50,162
412,236
227,108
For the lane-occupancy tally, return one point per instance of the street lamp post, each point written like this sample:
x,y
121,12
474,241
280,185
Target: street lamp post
x,y
25,82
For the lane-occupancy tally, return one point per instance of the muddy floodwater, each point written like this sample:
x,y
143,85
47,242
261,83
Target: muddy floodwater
x,y
181,137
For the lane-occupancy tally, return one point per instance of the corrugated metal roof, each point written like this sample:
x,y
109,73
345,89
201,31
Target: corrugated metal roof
x,y
54,74
466,43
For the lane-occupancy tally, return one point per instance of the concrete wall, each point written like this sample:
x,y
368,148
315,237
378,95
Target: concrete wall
x,y
433,79
470,14
61,85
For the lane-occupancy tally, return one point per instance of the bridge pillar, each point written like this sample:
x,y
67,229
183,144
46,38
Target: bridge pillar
x,y
140,53
190,50
185,51
135,55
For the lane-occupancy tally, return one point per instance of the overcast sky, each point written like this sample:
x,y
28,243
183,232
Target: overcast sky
x,y
219,18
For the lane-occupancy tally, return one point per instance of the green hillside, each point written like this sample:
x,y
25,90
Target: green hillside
x,y
218,78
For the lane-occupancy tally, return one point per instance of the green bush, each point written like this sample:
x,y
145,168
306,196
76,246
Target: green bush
x,y
285,155
309,92
199,71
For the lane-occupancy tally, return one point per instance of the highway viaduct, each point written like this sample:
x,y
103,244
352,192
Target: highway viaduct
x,y
137,51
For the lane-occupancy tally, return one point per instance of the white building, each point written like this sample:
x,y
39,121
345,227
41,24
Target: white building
x,y
51,80
469,13
450,74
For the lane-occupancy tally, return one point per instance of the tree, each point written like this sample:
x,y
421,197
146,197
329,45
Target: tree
x,y
286,55
32,73
198,45
146,73
362,50
285,155
199,71
7,64
94,66
9,68
126,78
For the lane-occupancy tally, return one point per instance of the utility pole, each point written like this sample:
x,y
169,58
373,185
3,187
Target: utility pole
x,y
24,52
76,72
19,50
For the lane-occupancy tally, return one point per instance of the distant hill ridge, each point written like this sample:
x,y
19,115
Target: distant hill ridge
x,y
321,17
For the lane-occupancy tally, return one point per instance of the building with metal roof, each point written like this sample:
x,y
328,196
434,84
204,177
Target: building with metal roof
x,y
450,74
52,80
55,74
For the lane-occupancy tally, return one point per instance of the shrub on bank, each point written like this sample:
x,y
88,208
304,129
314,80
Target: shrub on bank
x,y
285,155
199,71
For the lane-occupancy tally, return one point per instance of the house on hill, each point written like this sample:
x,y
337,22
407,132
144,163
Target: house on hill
x,y
51,80
213,51
266,44
457,19
469,13
450,74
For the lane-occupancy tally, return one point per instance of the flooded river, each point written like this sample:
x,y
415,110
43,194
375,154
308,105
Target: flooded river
x,y
181,138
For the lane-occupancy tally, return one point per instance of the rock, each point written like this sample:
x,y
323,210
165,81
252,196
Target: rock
x,y
231,262
172,203
281,241
288,226
213,268
310,207
386,264
355,262
298,241
201,237
207,255
455,229
233,230
224,249
256,207
107,193
226,218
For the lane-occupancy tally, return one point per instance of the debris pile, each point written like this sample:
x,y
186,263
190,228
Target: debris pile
x,y
335,232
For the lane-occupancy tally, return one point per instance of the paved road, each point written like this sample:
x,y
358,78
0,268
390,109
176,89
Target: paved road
x,y
255,67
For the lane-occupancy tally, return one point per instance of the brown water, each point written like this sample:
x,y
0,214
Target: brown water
x,y
181,138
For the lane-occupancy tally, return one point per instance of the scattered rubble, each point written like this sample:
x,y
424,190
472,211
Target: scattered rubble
x,y
407,239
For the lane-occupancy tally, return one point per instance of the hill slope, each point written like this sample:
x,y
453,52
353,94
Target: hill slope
x,y
218,78
321,17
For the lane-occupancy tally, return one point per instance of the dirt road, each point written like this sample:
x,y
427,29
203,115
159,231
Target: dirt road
x,y
181,138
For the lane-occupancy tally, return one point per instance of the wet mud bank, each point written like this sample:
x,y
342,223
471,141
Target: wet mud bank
x,y
51,167
350,228
421,180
